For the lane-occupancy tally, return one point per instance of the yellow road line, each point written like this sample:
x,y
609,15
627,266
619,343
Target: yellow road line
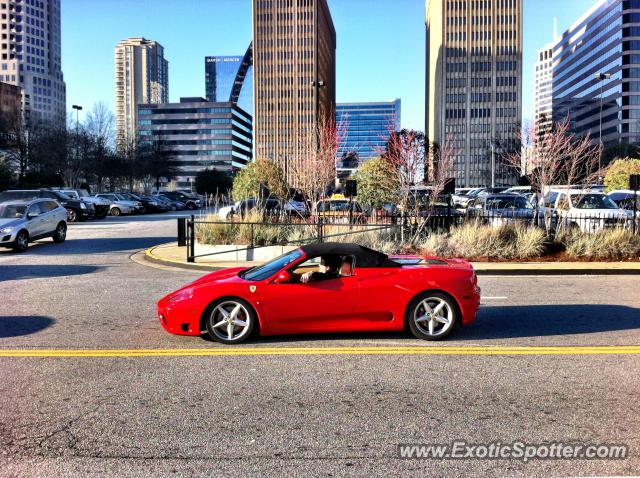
x,y
364,350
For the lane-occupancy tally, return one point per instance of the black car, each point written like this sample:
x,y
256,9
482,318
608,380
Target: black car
x,y
76,210
191,200
151,204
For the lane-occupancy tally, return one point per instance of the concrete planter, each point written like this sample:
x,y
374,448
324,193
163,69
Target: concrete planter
x,y
239,252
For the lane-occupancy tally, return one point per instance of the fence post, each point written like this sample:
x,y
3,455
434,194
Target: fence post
x,y
320,232
182,231
403,224
192,240
251,235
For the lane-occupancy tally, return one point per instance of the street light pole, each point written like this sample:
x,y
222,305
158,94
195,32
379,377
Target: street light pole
x,y
78,108
601,77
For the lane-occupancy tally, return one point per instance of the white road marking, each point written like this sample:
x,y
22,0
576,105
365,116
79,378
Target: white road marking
x,y
493,298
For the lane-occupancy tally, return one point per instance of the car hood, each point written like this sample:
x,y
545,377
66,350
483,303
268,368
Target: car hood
x,y
223,275
598,213
9,222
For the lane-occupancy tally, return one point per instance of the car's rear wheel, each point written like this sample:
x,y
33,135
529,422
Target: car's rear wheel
x,y
22,241
115,211
432,315
60,233
191,206
72,215
230,320
173,207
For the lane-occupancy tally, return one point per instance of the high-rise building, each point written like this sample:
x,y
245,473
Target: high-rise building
x,y
198,134
30,56
596,73
366,132
543,98
142,77
474,86
230,78
294,45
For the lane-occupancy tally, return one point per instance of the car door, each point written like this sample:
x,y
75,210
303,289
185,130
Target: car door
x,y
312,307
49,217
35,220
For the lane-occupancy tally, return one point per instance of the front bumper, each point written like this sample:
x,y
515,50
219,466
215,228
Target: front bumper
x,y
178,317
7,239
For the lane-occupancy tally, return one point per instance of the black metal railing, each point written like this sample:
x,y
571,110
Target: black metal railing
x,y
286,231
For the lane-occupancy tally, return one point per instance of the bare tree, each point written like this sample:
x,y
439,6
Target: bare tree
x,y
556,156
315,169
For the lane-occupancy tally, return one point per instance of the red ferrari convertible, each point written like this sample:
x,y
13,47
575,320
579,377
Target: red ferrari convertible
x,y
327,287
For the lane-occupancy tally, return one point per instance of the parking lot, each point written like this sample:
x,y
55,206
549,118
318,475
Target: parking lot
x,y
330,415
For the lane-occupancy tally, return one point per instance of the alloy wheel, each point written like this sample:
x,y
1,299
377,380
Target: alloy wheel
x,y
433,316
230,321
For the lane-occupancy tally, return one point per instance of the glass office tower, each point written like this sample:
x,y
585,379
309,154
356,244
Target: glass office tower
x,y
367,127
230,78
596,73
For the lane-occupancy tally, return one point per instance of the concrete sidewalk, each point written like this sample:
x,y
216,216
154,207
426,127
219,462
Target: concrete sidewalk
x,y
172,255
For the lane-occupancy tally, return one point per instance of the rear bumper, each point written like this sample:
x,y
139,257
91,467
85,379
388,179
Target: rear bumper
x,y
469,305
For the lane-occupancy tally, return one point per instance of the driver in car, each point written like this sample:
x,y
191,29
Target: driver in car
x,y
328,270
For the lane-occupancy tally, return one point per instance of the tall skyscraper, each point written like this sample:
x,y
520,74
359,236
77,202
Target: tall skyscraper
x,y
142,76
474,85
30,56
294,46
596,73
543,98
367,127
230,78
198,134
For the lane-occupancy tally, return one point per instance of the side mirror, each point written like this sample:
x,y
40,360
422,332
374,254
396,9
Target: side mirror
x,y
283,278
32,215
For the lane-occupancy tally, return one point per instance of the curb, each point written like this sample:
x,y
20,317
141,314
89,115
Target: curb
x,y
524,270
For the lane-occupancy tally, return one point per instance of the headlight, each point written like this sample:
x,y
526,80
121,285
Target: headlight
x,y
83,206
186,294
6,230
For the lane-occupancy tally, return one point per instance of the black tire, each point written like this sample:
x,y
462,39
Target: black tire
x,y
212,316
60,234
115,211
191,206
22,241
72,215
173,207
421,328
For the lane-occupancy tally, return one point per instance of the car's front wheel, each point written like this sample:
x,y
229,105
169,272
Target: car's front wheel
x,y
432,315
22,241
60,233
191,206
230,321
115,211
72,215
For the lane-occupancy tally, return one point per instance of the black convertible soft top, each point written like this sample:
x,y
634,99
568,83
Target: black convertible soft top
x,y
365,257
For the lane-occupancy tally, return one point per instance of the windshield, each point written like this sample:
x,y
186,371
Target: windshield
x,y
592,201
120,197
326,206
12,211
267,270
505,203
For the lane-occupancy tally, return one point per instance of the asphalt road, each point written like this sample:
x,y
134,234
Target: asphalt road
x,y
320,415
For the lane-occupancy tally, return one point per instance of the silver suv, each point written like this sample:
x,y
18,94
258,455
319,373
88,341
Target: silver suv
x,y
22,222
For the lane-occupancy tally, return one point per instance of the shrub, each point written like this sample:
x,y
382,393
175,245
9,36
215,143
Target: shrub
x,y
611,244
512,241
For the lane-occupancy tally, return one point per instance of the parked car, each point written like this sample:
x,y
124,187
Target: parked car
x,y
76,210
588,211
340,210
120,205
172,204
101,206
624,199
499,209
193,201
462,200
431,298
149,204
24,221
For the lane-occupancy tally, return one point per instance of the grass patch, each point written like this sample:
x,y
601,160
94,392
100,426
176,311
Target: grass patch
x,y
611,244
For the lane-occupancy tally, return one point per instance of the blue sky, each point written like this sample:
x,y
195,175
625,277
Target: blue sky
x,y
380,54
